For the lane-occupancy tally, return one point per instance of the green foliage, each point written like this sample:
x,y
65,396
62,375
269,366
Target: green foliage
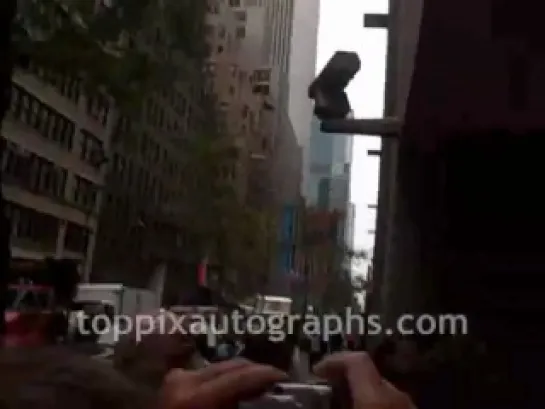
x,y
102,47
75,38
231,234
185,34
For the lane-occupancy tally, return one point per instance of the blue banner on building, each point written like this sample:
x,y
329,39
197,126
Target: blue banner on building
x,y
287,237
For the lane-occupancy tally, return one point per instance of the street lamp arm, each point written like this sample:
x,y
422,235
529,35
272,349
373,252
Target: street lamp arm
x,y
385,127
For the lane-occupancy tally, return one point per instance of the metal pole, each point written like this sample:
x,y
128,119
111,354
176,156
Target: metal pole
x,y
389,127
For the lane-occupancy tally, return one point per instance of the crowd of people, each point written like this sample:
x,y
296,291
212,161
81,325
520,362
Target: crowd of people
x,y
158,372
177,371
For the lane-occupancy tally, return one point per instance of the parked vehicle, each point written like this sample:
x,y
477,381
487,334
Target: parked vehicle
x,y
112,301
38,299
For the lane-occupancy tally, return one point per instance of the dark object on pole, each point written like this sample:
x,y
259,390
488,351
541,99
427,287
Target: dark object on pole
x,y
331,104
7,14
384,127
374,20
328,89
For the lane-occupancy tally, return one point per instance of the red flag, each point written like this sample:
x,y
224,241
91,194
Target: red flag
x,y
202,272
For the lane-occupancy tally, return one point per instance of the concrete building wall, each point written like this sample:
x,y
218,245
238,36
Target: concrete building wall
x,y
403,35
474,121
141,226
350,224
304,43
56,141
274,159
244,109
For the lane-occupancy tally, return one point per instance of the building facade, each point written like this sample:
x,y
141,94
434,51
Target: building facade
x,y
141,224
304,46
321,258
266,49
258,49
404,29
56,144
349,232
458,238
329,169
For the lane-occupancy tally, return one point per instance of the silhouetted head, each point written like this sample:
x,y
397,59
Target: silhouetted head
x,y
147,360
54,378
261,348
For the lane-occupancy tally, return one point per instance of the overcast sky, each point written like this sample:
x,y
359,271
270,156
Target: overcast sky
x,y
341,28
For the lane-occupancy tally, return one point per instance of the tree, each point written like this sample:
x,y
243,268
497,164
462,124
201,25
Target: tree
x,y
100,46
71,37
333,285
96,44
223,228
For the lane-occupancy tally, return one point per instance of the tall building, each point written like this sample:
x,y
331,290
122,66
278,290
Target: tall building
x,y
266,48
244,107
457,237
141,223
350,225
322,257
328,183
55,140
266,44
304,44
259,48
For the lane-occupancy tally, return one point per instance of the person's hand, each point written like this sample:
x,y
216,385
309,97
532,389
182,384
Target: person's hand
x,y
217,386
368,389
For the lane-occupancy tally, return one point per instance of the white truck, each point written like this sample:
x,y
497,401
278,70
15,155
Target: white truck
x,y
124,300
113,300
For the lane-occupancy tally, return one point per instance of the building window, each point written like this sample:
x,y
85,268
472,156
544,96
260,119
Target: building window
x,y
241,16
92,149
67,86
46,178
85,193
98,108
32,172
209,30
76,238
262,75
33,227
241,32
45,120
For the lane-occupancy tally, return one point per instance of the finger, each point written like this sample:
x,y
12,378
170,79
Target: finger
x,y
215,370
397,398
178,377
237,385
175,383
357,368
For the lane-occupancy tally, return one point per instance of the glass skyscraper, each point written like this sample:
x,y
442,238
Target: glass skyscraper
x,y
328,183
330,161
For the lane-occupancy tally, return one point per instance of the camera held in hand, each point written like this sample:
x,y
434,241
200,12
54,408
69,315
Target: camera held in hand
x,y
289,395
